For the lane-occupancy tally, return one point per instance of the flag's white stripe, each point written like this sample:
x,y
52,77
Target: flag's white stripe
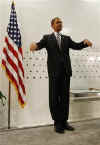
x,y
3,56
22,94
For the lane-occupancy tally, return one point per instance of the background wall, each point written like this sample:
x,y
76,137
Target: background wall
x,y
81,20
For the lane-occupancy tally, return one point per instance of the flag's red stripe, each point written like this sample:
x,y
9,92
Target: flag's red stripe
x,y
20,98
3,62
14,66
13,80
22,85
15,53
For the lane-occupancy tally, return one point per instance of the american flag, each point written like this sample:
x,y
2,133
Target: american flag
x,y
12,60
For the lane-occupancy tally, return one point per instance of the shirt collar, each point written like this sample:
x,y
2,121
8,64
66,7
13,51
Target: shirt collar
x,y
55,33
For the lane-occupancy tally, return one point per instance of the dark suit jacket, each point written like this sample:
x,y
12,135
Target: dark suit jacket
x,y
55,56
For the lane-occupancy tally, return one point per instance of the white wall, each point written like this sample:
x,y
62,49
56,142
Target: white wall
x,y
81,20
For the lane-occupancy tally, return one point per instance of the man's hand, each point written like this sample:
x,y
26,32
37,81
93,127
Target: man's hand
x,y
33,46
89,43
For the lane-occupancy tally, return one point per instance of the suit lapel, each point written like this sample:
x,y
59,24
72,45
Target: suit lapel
x,y
54,39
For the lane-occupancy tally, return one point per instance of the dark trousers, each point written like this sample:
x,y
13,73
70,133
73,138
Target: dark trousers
x,y
59,96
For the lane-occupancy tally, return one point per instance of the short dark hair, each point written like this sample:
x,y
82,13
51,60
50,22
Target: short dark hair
x,y
53,20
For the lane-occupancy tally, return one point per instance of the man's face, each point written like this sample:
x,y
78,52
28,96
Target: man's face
x,y
57,25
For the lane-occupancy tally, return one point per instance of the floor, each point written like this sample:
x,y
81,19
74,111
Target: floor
x,y
86,133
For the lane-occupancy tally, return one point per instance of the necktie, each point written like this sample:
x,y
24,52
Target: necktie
x,y
59,40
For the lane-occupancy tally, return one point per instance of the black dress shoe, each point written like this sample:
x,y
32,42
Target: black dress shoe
x,y
58,127
68,127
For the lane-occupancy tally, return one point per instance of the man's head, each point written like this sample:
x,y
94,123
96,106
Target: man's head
x,y
56,24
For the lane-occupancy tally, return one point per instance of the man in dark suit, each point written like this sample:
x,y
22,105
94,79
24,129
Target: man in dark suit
x,y
59,72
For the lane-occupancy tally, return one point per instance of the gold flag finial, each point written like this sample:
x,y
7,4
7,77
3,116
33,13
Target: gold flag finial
x,y
13,2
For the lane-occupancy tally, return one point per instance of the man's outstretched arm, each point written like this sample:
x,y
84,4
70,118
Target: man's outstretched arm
x,y
39,45
78,46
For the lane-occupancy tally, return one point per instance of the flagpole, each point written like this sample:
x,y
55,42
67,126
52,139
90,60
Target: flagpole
x,y
13,2
9,105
